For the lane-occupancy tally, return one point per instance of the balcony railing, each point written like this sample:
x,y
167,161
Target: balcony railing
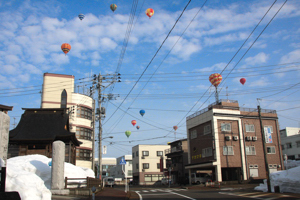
x,y
173,150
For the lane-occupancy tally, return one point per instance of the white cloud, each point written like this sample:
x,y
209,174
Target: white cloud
x,y
215,67
9,69
263,81
293,56
258,59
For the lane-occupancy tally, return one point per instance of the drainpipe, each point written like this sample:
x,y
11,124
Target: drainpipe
x,y
245,152
279,142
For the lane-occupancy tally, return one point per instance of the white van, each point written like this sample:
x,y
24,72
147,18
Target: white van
x,y
197,178
109,181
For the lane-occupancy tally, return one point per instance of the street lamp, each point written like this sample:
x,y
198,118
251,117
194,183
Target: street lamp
x,y
100,155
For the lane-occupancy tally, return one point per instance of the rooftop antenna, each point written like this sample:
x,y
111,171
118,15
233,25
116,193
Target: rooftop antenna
x,y
227,92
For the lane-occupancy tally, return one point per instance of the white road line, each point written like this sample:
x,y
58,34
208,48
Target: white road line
x,y
141,198
182,195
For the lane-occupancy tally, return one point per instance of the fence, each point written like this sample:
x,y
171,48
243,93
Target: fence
x,y
87,182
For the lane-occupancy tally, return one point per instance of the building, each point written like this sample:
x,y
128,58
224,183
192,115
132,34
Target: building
x,y
146,163
178,154
58,92
290,142
107,165
38,129
117,171
227,140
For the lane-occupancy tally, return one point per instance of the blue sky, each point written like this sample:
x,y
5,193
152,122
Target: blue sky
x,y
202,42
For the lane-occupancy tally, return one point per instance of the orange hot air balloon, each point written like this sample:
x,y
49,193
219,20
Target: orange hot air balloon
x,y
243,81
149,12
133,122
65,47
175,128
215,79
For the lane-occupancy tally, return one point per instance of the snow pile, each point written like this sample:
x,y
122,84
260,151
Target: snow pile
x,y
287,180
291,164
31,176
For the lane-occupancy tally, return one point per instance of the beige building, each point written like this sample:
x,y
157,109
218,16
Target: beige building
x,y
290,142
227,140
58,92
146,163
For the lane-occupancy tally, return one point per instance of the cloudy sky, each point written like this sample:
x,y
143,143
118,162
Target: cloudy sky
x,y
165,65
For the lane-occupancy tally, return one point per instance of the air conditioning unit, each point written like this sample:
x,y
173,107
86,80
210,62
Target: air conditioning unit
x,y
235,138
143,157
227,138
248,138
254,138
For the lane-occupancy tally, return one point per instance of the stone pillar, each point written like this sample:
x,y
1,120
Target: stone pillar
x,y
58,168
4,129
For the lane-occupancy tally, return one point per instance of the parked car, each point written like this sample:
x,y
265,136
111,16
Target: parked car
x,y
197,178
109,181
165,181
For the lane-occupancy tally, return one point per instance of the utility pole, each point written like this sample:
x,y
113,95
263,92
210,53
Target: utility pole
x,y
100,126
265,153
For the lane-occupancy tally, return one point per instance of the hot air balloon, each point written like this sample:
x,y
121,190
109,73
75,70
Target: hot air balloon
x,y
149,12
175,128
65,47
137,127
133,122
243,81
215,79
81,16
128,133
113,7
142,112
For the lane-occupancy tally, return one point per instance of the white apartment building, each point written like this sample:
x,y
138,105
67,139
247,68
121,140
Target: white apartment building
x,y
117,171
58,92
146,163
107,165
290,142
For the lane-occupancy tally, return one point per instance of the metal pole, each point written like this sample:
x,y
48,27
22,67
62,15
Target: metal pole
x,y
100,126
265,153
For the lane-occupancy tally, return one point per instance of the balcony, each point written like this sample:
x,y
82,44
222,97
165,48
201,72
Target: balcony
x,y
177,149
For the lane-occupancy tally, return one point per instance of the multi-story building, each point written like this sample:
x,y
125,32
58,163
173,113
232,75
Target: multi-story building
x,y
117,171
107,165
290,142
58,92
178,154
227,140
146,163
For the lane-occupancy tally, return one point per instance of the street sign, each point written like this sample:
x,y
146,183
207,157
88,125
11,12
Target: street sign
x,y
122,161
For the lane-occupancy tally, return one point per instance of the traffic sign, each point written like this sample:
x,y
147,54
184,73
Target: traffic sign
x,y
122,161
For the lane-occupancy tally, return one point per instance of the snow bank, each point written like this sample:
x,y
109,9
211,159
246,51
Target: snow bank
x,y
31,176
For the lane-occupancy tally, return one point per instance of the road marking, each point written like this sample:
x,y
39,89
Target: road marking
x,y
141,198
182,195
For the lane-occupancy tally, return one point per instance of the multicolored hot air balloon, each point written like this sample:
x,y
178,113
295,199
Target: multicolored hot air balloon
x,y
243,81
137,127
128,133
65,47
175,128
133,122
142,112
149,12
113,7
215,79
81,16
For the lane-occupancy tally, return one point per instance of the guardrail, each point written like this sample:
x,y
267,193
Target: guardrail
x,y
87,182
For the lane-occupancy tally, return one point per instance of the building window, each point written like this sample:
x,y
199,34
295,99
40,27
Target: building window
x,y
282,147
225,127
158,165
206,152
159,153
228,150
84,133
83,112
63,102
193,134
206,129
289,145
132,154
137,166
153,177
145,165
250,150
250,127
298,144
84,154
271,150
137,154
269,128
129,162
145,153
129,172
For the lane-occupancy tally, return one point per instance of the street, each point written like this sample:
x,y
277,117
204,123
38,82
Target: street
x,y
180,193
